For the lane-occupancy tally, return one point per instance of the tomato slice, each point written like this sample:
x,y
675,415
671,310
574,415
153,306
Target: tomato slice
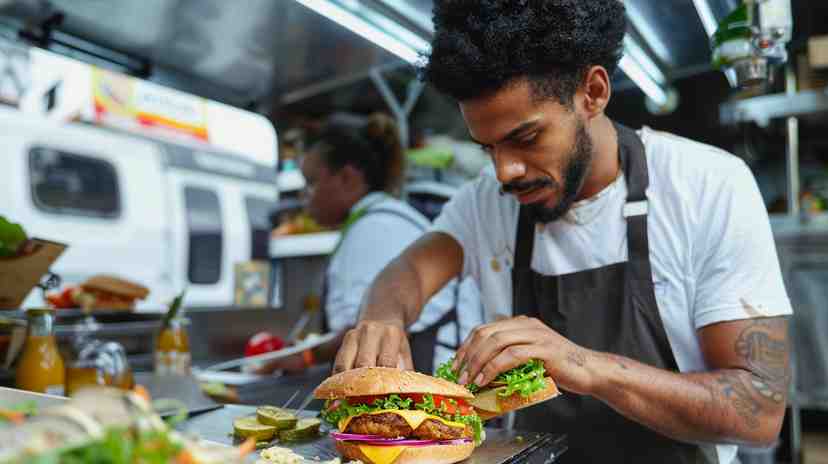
x,y
416,397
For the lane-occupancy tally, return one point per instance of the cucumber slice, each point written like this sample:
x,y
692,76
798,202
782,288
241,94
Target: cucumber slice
x,y
305,429
277,417
246,427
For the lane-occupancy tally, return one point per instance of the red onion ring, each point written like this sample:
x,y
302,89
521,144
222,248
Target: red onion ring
x,y
401,441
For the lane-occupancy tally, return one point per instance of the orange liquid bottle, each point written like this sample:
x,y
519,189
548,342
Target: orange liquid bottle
x,y
40,368
172,349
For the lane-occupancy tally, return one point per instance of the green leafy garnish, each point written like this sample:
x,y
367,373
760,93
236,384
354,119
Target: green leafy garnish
x,y
444,371
525,379
119,446
173,310
11,237
28,408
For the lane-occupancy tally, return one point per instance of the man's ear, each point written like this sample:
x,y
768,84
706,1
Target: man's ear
x,y
595,91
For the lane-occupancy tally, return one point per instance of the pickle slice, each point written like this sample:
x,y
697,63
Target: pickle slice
x,y
277,417
246,427
305,429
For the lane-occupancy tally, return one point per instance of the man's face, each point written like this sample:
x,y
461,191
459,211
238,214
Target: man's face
x,y
324,191
540,148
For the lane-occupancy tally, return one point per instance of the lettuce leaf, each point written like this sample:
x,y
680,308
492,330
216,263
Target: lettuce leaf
x,y
11,237
445,372
525,379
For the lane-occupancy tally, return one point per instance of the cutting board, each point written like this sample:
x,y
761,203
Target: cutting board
x,y
500,446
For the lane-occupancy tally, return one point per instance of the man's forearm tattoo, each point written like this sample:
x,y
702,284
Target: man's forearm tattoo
x,y
764,345
742,400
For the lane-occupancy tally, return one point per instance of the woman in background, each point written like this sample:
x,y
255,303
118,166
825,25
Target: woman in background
x,y
353,175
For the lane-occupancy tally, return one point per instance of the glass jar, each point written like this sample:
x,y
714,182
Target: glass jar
x,y
98,363
172,349
40,368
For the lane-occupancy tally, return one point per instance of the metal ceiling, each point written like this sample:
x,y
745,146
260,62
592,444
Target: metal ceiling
x,y
251,52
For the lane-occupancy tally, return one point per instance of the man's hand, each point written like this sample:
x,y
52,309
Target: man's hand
x,y
741,399
374,343
497,347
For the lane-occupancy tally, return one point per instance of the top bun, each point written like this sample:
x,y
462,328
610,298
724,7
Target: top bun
x,y
115,286
386,381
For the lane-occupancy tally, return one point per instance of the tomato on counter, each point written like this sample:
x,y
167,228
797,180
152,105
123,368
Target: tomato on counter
x,y
64,299
263,342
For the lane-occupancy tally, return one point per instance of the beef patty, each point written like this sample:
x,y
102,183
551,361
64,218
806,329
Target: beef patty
x,y
390,425
387,425
432,429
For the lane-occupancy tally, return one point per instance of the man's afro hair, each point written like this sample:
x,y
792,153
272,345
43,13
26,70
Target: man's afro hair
x,y
481,46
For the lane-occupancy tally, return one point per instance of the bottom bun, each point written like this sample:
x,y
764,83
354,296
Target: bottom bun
x,y
512,402
436,454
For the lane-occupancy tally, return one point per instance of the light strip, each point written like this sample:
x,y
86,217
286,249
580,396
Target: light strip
x,y
395,30
637,53
403,8
650,36
362,28
636,73
635,68
707,17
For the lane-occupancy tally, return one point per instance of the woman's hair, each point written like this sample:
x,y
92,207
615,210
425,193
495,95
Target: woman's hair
x,y
374,148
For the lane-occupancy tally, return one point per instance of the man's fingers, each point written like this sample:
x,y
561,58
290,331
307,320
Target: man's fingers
x,y
482,332
480,355
370,338
347,352
509,358
405,353
389,347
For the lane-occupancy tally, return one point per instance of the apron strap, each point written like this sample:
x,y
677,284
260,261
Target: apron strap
x,y
525,240
634,163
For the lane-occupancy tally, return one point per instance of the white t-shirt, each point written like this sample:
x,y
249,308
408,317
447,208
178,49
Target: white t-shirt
x,y
711,246
371,243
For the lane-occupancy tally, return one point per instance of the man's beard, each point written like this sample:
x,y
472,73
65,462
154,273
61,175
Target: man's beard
x,y
576,170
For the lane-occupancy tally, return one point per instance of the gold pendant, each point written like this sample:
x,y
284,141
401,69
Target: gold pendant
x,y
495,265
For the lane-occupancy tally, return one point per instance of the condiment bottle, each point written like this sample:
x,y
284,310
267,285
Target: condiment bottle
x,y
41,368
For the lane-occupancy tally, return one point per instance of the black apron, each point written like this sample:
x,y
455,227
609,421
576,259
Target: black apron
x,y
611,309
424,343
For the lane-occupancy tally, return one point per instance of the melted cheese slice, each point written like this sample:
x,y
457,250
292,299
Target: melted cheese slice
x,y
413,418
382,454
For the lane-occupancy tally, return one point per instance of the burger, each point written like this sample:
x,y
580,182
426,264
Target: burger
x,y
514,389
110,292
385,415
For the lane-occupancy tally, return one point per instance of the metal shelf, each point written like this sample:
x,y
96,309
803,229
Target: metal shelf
x,y
763,109
322,243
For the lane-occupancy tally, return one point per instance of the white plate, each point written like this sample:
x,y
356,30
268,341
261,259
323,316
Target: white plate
x,y
312,341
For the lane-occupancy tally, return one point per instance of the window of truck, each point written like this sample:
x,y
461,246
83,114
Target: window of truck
x,y
258,213
206,237
73,184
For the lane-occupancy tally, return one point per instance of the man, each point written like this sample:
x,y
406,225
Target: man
x,y
639,266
